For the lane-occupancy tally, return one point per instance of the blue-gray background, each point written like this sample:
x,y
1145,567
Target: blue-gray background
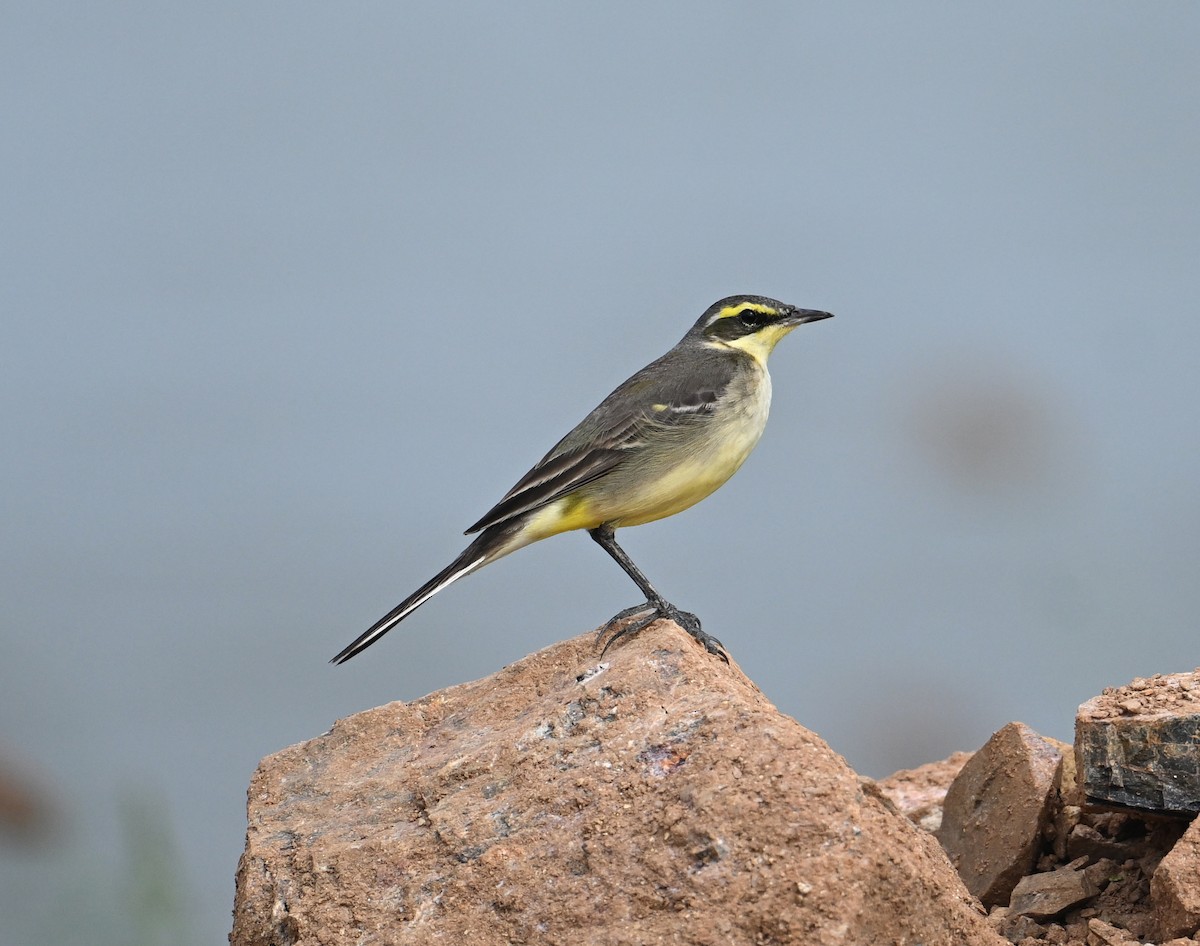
x,y
292,293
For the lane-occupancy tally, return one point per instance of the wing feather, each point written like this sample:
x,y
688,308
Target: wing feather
x,y
645,405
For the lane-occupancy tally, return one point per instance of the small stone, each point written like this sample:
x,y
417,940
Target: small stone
x,y
1056,935
1085,841
1043,896
1105,934
1103,872
1132,707
1019,929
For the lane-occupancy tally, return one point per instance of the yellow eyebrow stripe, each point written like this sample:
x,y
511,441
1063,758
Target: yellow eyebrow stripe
x,y
732,310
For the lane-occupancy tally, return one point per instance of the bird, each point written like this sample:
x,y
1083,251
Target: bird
x,y
665,439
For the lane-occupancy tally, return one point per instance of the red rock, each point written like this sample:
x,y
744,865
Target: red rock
x,y
655,798
997,810
918,793
1175,887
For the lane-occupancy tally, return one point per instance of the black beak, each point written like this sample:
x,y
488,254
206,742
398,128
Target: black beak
x,y
800,316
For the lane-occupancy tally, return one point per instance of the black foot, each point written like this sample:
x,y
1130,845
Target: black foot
x,y
651,611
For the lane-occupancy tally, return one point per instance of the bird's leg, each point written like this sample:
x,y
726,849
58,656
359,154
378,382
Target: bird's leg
x,y
656,605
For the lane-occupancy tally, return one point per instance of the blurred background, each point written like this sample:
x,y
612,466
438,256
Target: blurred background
x,y
293,293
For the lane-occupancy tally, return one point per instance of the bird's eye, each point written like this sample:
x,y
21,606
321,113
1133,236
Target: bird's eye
x,y
752,318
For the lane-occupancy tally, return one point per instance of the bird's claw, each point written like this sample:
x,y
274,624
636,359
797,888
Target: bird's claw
x,y
652,611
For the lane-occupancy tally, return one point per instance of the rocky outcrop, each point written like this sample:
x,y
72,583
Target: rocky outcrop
x,y
652,797
995,814
1136,745
1101,851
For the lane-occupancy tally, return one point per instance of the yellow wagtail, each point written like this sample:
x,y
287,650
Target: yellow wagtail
x,y
658,444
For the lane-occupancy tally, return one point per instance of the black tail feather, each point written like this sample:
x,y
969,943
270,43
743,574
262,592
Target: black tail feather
x,y
484,549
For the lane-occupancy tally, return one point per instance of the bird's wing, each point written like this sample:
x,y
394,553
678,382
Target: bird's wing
x,y
641,408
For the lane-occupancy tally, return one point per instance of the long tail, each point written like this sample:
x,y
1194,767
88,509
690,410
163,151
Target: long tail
x,y
490,545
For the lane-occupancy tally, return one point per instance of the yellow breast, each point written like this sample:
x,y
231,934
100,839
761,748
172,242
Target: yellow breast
x,y
691,469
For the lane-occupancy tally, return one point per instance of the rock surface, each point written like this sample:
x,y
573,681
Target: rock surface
x,y
1136,745
657,797
1105,875
918,793
997,810
1175,887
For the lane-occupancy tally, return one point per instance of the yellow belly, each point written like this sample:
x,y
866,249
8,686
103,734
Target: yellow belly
x,y
669,477
679,487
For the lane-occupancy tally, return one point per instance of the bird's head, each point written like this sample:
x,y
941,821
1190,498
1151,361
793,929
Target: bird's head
x,y
753,324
